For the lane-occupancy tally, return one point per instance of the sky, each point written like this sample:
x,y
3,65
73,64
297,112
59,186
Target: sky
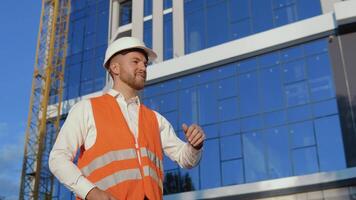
x,y
19,23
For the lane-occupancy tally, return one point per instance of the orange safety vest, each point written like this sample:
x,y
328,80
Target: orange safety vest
x,y
113,162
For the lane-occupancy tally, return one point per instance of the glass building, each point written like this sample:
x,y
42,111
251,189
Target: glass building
x,y
270,81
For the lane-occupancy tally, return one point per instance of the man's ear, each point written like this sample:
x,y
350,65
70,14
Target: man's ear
x,y
114,68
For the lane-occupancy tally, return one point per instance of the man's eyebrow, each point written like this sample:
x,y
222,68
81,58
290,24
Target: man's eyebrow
x,y
137,58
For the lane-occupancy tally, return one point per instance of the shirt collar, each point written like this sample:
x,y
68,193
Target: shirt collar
x,y
118,95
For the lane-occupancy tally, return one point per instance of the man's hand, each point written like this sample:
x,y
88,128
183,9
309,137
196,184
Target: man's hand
x,y
97,194
195,135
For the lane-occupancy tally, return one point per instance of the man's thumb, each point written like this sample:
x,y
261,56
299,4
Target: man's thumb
x,y
185,127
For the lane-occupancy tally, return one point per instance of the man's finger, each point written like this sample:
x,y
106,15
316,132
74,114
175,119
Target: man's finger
x,y
190,129
193,135
199,142
184,127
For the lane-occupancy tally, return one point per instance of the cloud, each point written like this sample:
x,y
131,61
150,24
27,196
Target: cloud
x,y
4,129
11,155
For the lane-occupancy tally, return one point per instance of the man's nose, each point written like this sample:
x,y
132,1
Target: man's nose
x,y
143,65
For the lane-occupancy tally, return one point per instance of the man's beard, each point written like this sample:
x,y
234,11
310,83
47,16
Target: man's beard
x,y
135,82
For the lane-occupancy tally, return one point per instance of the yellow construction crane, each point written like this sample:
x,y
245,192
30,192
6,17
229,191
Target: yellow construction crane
x,y
45,104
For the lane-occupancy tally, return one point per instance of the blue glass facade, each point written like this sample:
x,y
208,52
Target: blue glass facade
x,y
265,117
87,42
125,13
239,18
167,36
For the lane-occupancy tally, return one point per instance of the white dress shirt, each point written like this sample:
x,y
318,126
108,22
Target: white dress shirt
x,y
79,129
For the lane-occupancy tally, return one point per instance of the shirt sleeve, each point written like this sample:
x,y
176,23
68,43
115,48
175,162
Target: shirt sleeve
x,y
181,152
70,138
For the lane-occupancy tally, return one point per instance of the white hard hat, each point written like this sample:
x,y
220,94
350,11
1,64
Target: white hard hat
x,y
125,43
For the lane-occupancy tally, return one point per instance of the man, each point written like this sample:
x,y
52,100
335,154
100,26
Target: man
x,y
120,140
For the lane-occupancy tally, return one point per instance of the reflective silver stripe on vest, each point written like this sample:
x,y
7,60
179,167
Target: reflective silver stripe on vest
x,y
107,159
152,157
118,177
148,171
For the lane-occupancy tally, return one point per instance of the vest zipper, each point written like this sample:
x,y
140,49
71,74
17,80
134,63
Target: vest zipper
x,y
138,151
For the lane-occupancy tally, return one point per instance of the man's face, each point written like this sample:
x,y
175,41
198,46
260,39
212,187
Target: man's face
x,y
133,69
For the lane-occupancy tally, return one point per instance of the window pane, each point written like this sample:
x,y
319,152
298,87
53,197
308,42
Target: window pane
x,y
239,10
230,147
275,118
227,84
78,36
211,131
191,179
74,74
147,33
89,42
125,13
205,76
262,15
88,70
188,107
302,134
315,47
167,37
325,108
292,53
294,71
247,65
169,164
320,81
278,152
90,25
308,8
193,5
172,181
217,23
226,70
269,59
251,123
305,161
328,134
253,150
194,31
207,104
284,15
86,87
147,7
299,113
297,93
210,165
232,172
229,127
228,109
172,118
271,89
102,27
249,97
168,102
240,29
167,4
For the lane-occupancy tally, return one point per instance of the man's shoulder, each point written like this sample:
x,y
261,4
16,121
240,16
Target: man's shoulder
x,y
80,105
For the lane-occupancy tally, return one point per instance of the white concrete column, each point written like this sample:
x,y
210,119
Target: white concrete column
x,y
178,28
137,19
328,5
115,18
157,29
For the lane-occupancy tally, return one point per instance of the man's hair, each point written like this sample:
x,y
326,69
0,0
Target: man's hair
x,y
124,52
